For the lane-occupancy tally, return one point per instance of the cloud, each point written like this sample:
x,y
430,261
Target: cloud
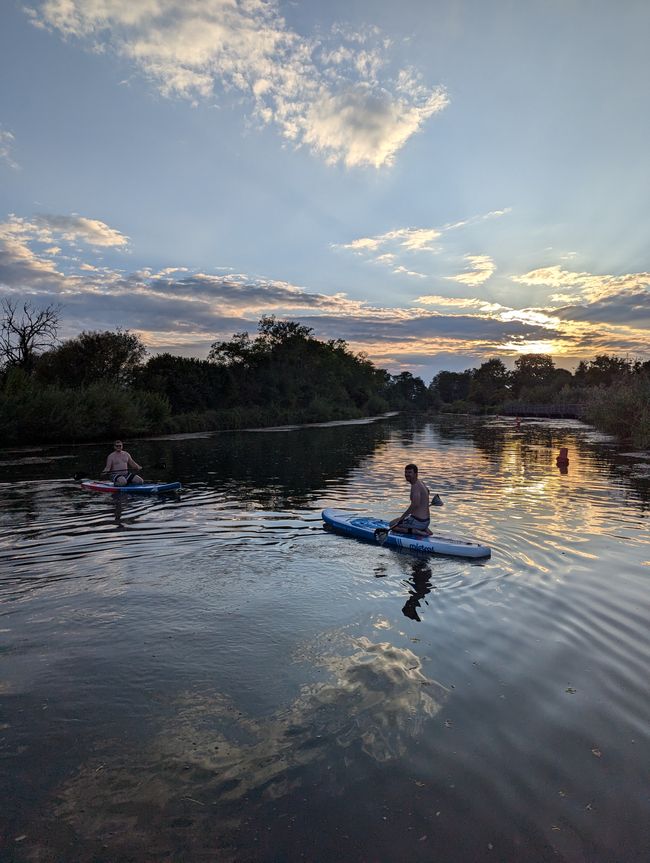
x,y
207,747
78,229
582,286
407,272
6,144
240,294
23,267
625,308
177,309
364,125
411,239
459,302
385,248
325,94
20,267
481,268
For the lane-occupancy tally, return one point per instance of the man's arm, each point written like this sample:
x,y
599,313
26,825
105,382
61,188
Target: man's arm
x,y
406,513
133,464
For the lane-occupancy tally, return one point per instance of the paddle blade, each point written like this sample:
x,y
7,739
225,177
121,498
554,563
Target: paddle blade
x,y
380,535
436,500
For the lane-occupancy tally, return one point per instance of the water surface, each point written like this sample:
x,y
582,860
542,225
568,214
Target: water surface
x,y
215,677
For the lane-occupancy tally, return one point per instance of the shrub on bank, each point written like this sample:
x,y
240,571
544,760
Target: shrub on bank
x,y
225,419
49,414
623,410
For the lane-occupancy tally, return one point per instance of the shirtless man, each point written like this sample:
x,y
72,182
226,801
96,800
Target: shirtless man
x,y
119,466
415,520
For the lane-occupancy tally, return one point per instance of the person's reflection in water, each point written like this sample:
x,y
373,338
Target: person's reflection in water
x,y
421,584
117,504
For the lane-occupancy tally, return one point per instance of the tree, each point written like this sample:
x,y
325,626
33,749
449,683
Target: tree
x,y
490,382
238,351
93,356
274,333
603,370
189,384
26,332
452,386
532,370
273,336
408,391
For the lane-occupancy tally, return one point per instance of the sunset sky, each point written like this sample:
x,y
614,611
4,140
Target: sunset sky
x,y
438,182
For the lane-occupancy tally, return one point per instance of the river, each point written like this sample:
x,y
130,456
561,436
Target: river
x,y
214,676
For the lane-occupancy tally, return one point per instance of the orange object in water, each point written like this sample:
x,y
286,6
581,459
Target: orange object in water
x,y
563,457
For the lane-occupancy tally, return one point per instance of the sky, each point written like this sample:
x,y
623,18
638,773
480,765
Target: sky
x,y
438,182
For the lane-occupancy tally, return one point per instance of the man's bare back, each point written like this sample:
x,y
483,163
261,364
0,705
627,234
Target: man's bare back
x,y
416,518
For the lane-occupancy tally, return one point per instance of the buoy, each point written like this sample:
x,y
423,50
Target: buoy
x,y
563,457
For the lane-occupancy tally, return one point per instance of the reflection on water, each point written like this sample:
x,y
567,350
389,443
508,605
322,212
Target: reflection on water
x,y
419,586
375,703
213,676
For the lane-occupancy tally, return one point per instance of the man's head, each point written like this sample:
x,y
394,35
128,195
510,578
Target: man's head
x,y
118,444
411,472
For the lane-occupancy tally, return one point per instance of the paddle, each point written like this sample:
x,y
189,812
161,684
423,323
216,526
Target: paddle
x,y
158,466
382,532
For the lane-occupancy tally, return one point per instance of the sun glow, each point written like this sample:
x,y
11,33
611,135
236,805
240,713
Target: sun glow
x,y
541,347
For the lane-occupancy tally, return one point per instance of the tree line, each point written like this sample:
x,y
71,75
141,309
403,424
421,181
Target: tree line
x,y
614,391
101,384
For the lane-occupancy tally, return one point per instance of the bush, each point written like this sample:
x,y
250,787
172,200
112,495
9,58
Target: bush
x,y
50,414
623,410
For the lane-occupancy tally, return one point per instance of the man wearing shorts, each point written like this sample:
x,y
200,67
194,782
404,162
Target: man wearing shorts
x,y
120,466
415,520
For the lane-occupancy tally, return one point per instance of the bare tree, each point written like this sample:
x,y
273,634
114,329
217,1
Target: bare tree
x,y
25,332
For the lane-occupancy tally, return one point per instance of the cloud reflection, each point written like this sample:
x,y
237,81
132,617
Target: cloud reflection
x,y
377,701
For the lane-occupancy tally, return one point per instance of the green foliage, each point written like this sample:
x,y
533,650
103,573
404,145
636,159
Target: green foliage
x,y
189,384
30,411
407,392
532,371
96,386
604,370
623,409
113,357
490,383
451,386
286,370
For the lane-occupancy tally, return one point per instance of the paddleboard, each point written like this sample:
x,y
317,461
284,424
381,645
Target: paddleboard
x,y
366,527
145,488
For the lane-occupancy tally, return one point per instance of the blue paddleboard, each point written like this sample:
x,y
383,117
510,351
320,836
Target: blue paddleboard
x,y
374,529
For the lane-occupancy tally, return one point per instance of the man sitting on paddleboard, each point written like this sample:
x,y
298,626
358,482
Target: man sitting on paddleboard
x,y
417,517
120,466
